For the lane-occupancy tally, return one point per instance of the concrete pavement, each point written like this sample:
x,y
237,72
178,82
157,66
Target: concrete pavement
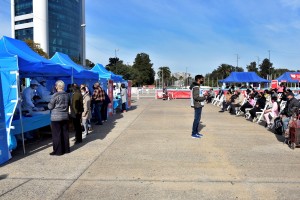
x,y
147,153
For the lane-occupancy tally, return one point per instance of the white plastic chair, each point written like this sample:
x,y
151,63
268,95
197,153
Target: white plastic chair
x,y
261,114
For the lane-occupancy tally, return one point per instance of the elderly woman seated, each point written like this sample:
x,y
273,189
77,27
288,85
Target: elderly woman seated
x,y
272,112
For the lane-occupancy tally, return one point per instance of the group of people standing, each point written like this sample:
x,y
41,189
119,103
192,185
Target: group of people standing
x,y
78,105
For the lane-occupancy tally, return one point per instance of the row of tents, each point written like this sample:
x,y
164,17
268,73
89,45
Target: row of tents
x,y
18,60
252,77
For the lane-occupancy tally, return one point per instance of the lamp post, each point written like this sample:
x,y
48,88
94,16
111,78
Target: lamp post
x,y
116,56
83,62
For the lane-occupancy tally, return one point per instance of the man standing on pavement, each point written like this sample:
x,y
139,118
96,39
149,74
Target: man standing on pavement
x,y
197,102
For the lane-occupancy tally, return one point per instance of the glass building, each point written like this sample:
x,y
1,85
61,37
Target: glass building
x,y
57,25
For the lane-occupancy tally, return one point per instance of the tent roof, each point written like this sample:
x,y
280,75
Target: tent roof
x,y
290,77
81,73
247,77
30,63
104,73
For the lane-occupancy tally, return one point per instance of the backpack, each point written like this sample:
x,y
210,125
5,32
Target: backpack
x,y
278,124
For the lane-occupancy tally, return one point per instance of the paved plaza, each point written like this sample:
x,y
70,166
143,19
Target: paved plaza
x,y
148,153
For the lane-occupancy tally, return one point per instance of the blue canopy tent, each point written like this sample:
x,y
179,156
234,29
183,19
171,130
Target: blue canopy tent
x,y
27,63
8,101
30,63
105,74
244,77
78,72
289,77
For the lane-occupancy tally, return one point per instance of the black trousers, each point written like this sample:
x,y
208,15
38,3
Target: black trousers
x,y
77,127
60,137
124,106
246,105
253,112
104,111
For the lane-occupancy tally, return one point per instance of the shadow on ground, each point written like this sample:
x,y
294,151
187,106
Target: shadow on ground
x,y
44,139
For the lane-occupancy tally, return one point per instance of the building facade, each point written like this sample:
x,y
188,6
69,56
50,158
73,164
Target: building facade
x,y
57,25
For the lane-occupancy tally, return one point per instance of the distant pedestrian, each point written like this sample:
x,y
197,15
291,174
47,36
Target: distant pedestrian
x,y
197,102
124,97
59,106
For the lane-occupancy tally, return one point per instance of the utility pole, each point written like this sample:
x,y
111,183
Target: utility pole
x,y
185,77
237,61
269,64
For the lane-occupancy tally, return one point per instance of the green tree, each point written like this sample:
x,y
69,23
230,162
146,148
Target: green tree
x,y
252,67
36,47
279,72
265,68
173,79
117,66
164,73
143,72
89,64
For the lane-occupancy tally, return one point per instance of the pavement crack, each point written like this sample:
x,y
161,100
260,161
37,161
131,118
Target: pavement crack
x,y
15,187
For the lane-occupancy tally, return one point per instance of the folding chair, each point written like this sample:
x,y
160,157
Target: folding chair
x,y
261,114
215,100
220,101
238,112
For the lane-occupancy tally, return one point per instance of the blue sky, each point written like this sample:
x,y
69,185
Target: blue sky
x,y
195,34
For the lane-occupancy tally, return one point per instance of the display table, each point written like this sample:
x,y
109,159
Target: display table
x,y
39,119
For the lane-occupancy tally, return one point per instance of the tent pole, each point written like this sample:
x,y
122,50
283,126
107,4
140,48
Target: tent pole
x,y
20,112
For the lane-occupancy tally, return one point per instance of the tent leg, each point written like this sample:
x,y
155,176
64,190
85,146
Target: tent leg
x,y
20,113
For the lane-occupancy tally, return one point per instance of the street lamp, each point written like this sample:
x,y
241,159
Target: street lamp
x,y
83,44
116,56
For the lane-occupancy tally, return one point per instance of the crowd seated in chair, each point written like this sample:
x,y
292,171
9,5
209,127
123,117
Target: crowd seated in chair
x,y
250,103
227,101
259,105
291,105
272,112
237,100
210,96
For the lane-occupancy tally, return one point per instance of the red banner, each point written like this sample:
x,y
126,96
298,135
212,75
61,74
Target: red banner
x,y
274,84
295,77
175,94
110,94
129,94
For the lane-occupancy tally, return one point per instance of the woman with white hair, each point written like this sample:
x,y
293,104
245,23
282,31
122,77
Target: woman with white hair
x,y
59,106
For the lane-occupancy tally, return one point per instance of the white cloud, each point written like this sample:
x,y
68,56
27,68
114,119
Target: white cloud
x,y
294,4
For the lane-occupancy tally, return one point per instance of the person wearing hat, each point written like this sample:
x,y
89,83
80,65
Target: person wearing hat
x,y
28,96
291,105
43,92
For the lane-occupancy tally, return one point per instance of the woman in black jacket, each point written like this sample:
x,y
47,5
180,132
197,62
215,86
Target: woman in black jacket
x,y
259,106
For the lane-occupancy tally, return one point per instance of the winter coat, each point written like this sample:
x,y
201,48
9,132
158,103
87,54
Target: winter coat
x,y
86,114
124,95
76,104
197,101
59,106
291,105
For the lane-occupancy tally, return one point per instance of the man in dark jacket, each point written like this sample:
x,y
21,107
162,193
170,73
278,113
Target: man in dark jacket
x,y
291,105
197,102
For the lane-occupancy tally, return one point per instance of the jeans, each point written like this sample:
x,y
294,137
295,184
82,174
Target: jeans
x,y
97,111
285,122
197,118
85,123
